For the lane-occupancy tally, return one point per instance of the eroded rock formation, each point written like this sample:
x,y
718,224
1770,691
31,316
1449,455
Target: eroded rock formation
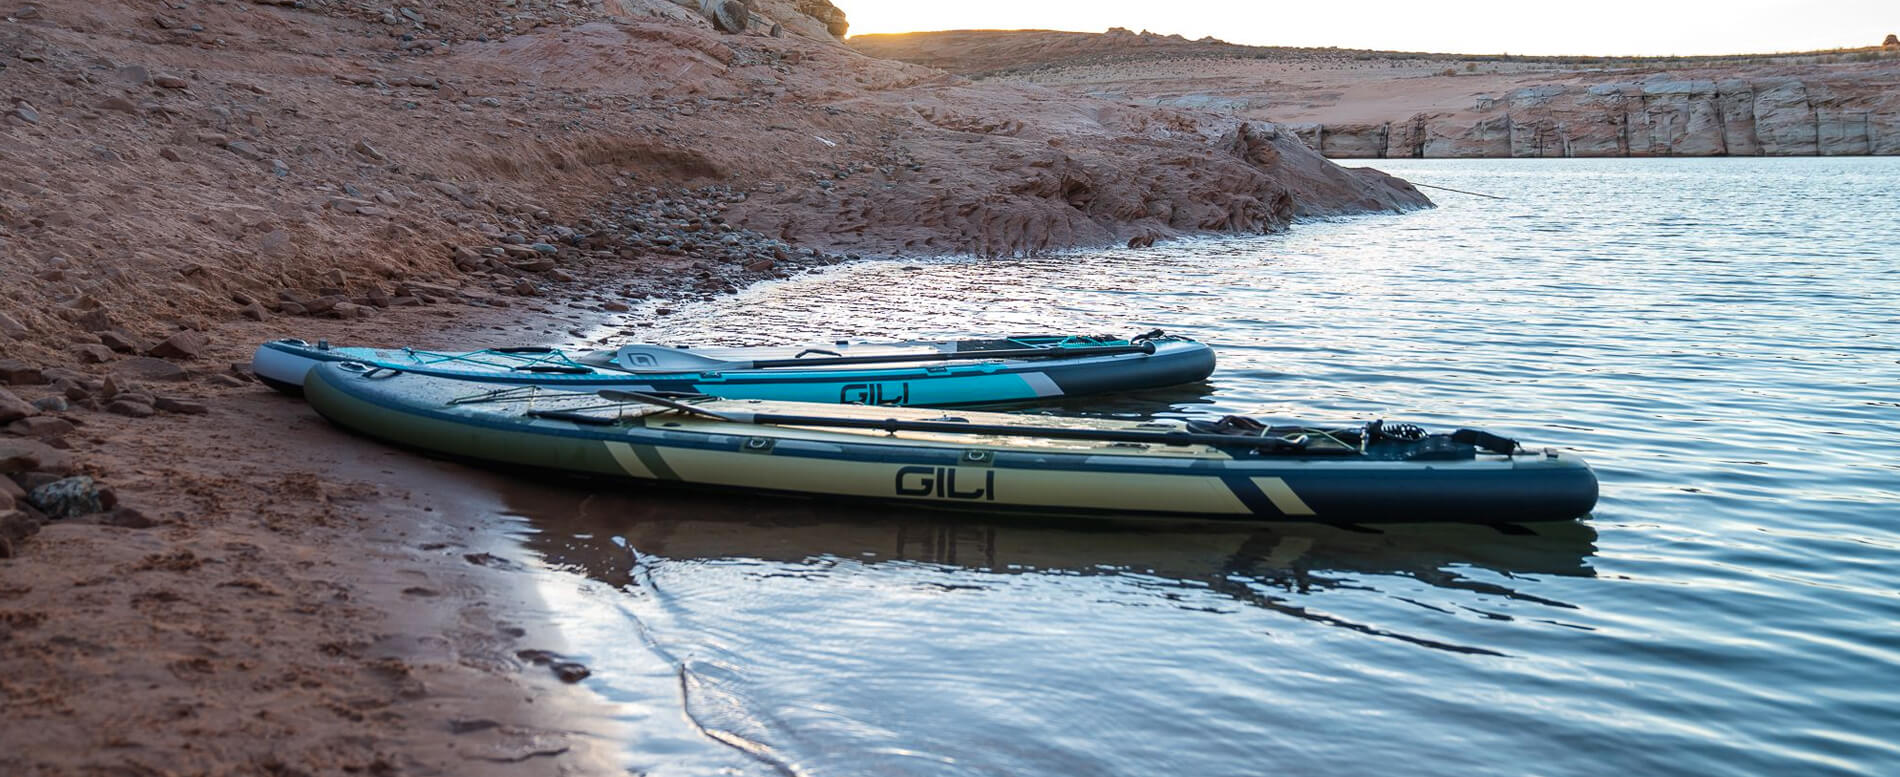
x,y
1654,117
1369,104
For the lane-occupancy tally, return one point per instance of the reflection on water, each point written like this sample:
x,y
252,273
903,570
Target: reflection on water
x,y
1713,335
794,624
605,535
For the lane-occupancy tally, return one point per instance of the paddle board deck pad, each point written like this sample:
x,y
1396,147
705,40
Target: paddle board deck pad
x,y
1370,473
926,373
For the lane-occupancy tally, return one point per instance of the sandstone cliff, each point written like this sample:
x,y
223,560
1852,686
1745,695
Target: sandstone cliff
x,y
1664,115
1359,104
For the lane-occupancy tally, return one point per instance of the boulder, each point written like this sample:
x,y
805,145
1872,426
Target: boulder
x,y
183,345
727,15
129,408
72,390
827,14
141,397
71,497
41,427
322,304
13,408
22,455
14,372
92,353
119,342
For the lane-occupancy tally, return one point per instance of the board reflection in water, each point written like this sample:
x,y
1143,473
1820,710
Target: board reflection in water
x,y
607,534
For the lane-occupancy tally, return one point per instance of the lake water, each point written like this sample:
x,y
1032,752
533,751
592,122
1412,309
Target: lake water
x,y
1717,336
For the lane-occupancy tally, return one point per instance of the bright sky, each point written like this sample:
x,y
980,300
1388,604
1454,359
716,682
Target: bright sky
x,y
1604,27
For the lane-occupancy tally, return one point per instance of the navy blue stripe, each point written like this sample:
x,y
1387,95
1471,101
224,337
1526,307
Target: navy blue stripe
x,y
1250,494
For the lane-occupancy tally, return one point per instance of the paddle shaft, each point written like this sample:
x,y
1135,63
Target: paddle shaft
x,y
1009,353
953,427
1051,432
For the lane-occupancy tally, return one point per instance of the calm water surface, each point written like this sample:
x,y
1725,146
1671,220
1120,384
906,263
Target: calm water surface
x,y
1715,336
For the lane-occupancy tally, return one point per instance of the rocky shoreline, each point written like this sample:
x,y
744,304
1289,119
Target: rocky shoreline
x,y
200,576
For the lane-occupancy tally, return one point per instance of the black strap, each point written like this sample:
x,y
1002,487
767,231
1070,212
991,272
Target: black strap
x,y
555,368
1485,440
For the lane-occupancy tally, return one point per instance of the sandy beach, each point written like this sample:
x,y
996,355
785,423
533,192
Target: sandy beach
x,y
240,588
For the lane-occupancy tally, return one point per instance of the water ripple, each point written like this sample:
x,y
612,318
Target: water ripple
x,y
1714,335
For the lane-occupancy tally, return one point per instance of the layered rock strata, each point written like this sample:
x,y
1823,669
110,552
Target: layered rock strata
x,y
1656,117
1371,104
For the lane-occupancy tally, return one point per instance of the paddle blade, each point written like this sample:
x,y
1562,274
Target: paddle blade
x,y
659,358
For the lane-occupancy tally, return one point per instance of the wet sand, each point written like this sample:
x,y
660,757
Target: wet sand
x,y
177,187
294,610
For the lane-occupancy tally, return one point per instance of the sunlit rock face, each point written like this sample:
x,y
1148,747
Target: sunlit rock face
x,y
1654,117
1372,104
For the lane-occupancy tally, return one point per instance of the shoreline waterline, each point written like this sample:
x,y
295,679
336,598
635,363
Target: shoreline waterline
x,y
1694,338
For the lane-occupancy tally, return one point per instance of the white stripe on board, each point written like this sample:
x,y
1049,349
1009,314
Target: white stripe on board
x,y
1042,385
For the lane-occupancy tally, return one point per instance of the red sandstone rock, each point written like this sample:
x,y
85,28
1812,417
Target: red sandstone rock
x,y
183,345
23,455
12,407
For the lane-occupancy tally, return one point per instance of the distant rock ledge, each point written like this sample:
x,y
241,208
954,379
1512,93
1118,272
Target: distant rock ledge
x,y
1360,104
1651,118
